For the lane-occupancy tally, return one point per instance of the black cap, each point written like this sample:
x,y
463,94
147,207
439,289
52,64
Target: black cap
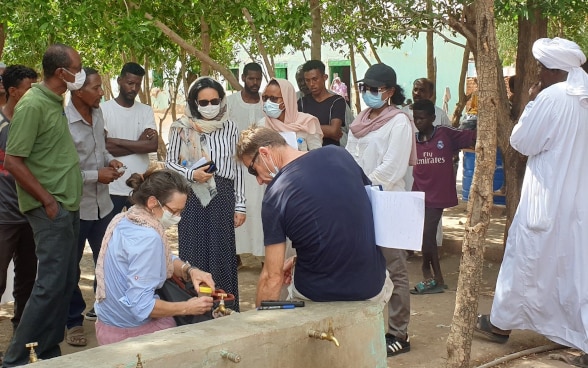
x,y
379,75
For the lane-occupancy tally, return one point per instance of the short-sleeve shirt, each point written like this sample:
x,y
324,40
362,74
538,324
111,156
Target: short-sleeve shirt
x,y
331,108
319,202
9,211
433,173
127,123
39,132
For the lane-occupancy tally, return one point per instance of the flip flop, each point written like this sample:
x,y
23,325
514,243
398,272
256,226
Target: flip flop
x,y
484,327
427,287
75,336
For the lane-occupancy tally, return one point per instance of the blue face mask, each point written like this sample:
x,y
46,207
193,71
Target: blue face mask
x,y
373,101
272,109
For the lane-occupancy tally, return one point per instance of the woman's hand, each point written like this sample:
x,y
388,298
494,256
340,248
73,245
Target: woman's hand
x,y
239,218
198,305
198,277
200,175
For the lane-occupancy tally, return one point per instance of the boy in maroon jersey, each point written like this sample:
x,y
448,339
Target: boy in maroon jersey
x,y
433,174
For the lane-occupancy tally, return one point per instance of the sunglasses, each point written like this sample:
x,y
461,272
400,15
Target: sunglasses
x,y
250,168
363,88
273,99
214,101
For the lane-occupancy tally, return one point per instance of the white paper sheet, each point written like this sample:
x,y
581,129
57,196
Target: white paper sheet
x,y
398,218
290,138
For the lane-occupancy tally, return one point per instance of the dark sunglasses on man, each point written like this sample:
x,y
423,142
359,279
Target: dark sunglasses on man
x,y
250,168
214,101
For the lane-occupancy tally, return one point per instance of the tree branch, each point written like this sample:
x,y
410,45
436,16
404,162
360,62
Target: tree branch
x,y
268,66
226,73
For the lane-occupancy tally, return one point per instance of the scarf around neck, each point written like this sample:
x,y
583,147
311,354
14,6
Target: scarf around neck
x,y
294,121
362,125
138,216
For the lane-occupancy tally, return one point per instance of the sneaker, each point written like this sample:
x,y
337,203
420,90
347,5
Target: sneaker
x,y
91,315
395,346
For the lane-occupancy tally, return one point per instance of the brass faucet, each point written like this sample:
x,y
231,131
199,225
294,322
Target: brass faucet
x,y
222,310
233,357
329,335
32,354
139,362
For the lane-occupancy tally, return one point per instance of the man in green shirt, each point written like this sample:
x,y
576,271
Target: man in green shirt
x,y
42,157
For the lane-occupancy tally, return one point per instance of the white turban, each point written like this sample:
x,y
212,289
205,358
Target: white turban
x,y
562,54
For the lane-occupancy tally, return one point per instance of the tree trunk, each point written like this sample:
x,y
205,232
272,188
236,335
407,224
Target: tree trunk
x,y
374,50
513,162
205,39
107,86
431,67
268,65
317,25
354,82
2,38
459,342
462,99
145,93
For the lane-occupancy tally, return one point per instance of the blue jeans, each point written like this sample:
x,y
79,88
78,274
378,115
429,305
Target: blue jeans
x,y
45,313
93,231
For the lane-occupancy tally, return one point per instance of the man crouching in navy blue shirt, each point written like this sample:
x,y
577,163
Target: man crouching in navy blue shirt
x,y
317,199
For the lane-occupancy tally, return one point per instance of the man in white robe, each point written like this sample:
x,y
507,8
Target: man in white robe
x,y
246,108
543,281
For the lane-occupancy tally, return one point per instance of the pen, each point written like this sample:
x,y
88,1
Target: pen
x,y
287,306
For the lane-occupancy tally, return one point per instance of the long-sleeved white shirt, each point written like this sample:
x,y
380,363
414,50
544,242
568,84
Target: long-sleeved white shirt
x,y
383,154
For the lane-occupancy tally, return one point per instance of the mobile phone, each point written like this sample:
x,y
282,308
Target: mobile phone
x,y
212,167
272,303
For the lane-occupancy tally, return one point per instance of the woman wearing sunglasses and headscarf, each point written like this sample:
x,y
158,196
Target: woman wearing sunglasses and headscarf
x,y
382,141
202,148
281,114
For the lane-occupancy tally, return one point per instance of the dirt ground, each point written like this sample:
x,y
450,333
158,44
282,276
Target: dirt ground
x,y
431,315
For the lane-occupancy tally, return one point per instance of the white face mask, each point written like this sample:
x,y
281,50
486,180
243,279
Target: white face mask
x,y
168,219
209,111
271,173
80,78
272,109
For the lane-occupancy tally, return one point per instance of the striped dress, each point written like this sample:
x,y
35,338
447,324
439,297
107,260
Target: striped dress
x,y
207,234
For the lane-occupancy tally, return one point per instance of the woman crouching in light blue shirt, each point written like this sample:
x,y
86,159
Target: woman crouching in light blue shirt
x,y
135,260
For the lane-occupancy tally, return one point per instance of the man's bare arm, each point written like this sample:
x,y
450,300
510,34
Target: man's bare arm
x,y
146,143
25,178
333,130
271,279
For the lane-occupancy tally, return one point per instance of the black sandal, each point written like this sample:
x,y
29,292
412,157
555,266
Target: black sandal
x,y
486,328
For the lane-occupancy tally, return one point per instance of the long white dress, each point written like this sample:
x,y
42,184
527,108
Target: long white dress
x,y
249,236
543,281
